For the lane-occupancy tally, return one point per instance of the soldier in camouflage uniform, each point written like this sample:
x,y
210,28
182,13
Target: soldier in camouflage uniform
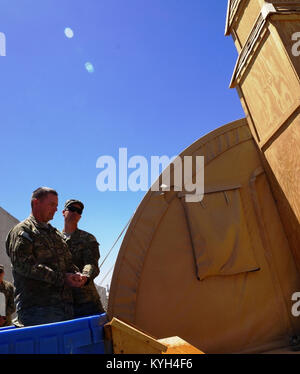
x,y
7,289
42,265
85,252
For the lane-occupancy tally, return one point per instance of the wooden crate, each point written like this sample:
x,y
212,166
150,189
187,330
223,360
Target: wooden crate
x,y
267,77
243,14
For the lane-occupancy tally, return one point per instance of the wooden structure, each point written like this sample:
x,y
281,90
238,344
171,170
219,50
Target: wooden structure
x,y
267,78
128,339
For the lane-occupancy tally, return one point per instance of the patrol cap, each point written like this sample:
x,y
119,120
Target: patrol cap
x,y
73,201
1,268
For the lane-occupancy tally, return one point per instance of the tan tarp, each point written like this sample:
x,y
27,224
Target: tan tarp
x,y
223,210
217,273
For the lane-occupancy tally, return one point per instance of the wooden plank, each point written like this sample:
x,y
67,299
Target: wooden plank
x,y
177,345
250,13
286,28
128,339
270,88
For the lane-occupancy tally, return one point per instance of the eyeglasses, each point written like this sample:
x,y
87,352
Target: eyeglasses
x,y
74,209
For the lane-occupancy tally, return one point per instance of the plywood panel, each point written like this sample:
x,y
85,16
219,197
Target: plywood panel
x,y
127,339
247,20
283,157
270,94
270,87
286,29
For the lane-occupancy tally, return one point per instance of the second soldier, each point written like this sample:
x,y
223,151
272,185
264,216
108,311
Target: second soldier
x,y
85,253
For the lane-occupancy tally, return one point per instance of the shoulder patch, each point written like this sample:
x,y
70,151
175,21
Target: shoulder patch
x,y
25,235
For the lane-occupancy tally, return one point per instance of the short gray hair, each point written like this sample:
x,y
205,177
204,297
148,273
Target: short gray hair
x,y
41,192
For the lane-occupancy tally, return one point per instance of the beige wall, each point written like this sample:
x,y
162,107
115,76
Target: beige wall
x,y
103,296
7,221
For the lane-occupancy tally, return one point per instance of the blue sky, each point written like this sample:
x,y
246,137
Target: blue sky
x,y
160,82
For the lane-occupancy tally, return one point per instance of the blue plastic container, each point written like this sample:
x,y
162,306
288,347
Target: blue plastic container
x,y
77,336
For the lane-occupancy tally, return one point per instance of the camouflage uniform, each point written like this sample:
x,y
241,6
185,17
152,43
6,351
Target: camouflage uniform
x,y
40,259
8,290
85,252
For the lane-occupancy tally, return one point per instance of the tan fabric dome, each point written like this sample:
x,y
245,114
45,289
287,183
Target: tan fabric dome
x,y
217,273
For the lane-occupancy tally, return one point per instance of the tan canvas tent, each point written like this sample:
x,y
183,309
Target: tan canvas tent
x,y
220,273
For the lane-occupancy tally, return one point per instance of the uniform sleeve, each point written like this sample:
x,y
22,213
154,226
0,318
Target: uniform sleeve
x,y
20,250
91,257
10,304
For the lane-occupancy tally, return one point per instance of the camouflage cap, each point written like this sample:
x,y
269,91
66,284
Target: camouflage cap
x,y
73,201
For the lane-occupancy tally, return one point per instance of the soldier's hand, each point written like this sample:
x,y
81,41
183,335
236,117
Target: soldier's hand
x,y
73,280
83,280
80,279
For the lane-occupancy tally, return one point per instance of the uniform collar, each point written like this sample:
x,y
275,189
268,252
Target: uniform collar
x,y
69,236
40,225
